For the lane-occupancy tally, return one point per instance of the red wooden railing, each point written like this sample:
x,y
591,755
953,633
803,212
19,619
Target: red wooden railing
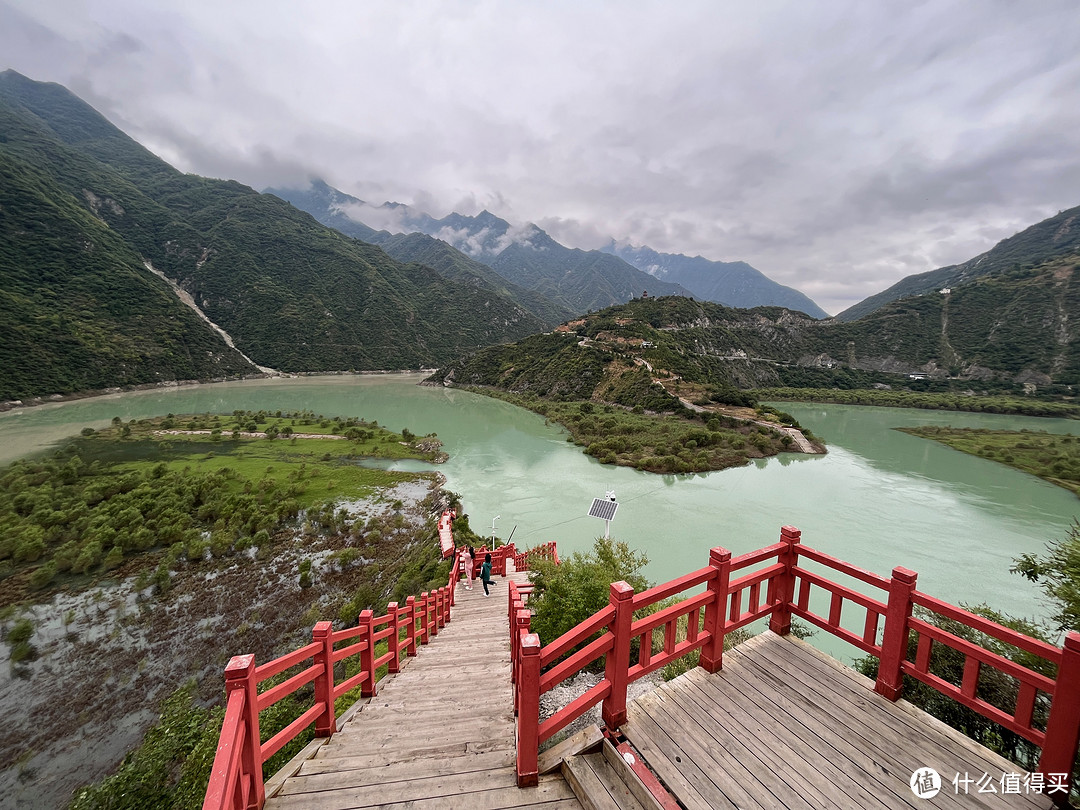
x,y
499,556
446,533
544,551
782,588
236,781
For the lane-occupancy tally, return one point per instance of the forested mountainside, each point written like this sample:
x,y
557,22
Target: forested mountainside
x,y
1055,237
1007,331
293,294
328,205
559,279
733,284
79,310
615,354
1017,325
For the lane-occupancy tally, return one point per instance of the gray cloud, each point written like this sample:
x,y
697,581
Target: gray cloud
x,y
835,146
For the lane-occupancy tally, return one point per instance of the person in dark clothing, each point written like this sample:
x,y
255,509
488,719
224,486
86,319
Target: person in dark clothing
x,y
485,574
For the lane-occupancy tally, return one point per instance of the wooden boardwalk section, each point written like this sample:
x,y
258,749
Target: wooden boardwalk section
x,y
785,726
440,734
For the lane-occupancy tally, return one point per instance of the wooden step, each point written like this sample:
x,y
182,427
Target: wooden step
x,y
602,780
385,756
473,728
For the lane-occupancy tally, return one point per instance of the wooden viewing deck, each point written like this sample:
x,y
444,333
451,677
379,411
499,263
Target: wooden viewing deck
x,y
439,734
784,725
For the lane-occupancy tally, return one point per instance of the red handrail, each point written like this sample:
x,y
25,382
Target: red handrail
x,y
732,603
236,777
544,551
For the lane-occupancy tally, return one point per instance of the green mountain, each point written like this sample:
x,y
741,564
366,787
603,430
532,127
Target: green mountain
x,y
614,355
453,264
1006,332
328,205
734,284
293,294
580,280
1055,237
79,309
559,279
1015,326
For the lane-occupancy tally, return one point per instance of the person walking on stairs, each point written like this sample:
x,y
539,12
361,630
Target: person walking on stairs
x,y
469,558
485,574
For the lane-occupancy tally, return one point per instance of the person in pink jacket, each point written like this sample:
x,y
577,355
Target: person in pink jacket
x,y
469,558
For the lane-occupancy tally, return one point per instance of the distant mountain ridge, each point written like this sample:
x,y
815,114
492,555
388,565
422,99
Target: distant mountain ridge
x,y
328,205
573,281
733,284
579,279
1056,236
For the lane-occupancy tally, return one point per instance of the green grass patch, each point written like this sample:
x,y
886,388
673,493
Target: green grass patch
x,y
192,485
912,399
1051,456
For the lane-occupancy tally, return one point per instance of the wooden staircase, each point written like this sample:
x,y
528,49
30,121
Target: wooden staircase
x,y
440,734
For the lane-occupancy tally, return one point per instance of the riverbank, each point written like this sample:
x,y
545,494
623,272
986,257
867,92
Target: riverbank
x,y
968,402
1051,457
171,384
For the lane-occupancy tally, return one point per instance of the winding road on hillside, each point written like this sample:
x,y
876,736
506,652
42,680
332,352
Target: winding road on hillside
x,y
796,435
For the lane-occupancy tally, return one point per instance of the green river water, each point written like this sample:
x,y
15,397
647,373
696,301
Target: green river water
x,y
879,499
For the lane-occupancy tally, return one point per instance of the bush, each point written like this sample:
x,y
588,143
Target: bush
x,y
43,575
18,639
569,593
305,573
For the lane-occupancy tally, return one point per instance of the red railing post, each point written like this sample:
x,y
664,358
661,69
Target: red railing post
x,y
435,609
240,674
522,622
780,621
422,606
894,638
367,654
712,654
393,641
445,613
324,683
455,577
1063,725
410,636
617,662
528,721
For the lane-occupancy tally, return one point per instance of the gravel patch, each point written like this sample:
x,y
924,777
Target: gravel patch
x,y
573,688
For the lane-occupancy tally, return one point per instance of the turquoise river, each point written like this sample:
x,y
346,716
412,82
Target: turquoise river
x,y
878,499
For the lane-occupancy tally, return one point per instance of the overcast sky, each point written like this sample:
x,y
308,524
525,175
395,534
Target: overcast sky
x,y
835,146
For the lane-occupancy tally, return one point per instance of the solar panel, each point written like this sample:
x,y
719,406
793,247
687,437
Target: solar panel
x,y
603,508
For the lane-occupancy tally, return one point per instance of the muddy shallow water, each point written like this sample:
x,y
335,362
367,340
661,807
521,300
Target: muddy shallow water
x,y
107,656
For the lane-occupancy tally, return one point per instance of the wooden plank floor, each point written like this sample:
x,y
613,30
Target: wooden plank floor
x,y
440,734
785,726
